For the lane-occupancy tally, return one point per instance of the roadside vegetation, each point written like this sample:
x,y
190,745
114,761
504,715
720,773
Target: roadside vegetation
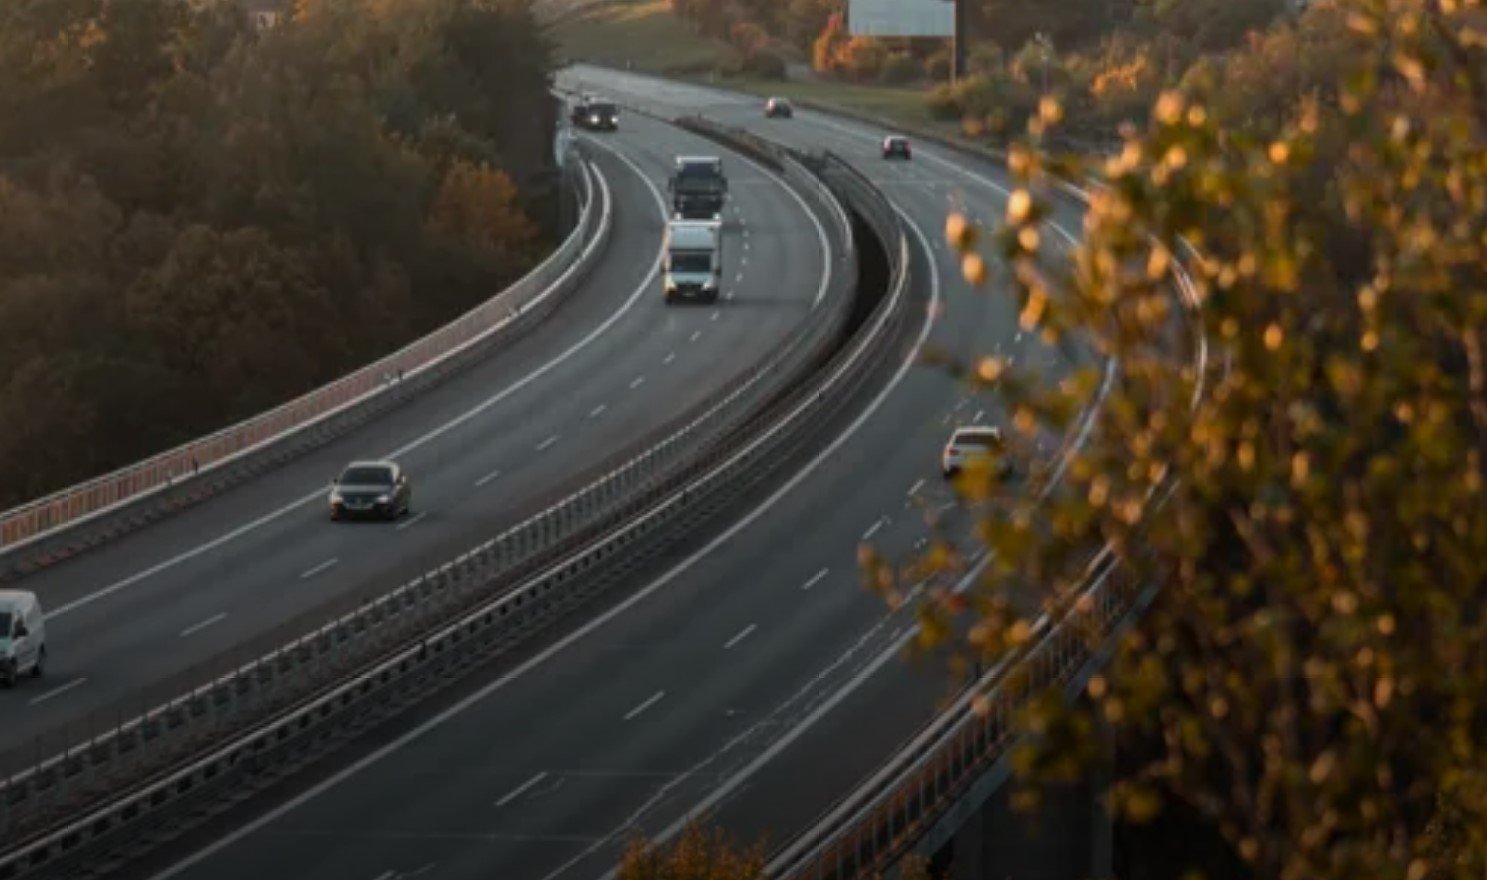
x,y
1105,60
203,215
1304,698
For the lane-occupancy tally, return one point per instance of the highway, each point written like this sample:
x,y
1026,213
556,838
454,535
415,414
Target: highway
x,y
755,675
126,621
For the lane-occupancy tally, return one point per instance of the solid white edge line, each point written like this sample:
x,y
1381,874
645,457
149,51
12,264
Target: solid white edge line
x,y
506,392
655,698
198,627
742,634
521,789
594,624
57,691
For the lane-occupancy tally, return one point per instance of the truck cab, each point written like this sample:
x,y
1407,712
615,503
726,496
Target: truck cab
x,y
693,266
698,188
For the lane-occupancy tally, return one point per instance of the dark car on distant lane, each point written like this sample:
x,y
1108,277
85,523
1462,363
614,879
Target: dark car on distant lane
x,y
377,489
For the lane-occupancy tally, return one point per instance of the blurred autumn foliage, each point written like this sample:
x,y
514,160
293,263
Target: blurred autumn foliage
x,y
700,852
201,217
1308,684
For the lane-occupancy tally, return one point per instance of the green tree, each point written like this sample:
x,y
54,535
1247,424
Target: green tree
x,y
199,215
1309,679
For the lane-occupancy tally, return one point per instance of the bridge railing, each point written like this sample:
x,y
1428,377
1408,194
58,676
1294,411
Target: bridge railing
x,y
44,531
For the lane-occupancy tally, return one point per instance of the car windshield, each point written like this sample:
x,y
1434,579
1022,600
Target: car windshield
x,y
367,476
603,109
6,621
691,262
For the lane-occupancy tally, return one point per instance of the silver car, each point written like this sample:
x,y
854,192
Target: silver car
x,y
377,489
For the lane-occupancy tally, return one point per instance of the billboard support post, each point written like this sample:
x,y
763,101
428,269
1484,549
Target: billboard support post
x,y
960,41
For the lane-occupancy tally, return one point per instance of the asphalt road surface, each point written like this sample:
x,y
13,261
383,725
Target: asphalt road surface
x,y
756,676
125,622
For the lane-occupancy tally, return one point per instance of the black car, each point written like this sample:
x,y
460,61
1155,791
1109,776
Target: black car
x,y
779,107
596,115
377,489
896,146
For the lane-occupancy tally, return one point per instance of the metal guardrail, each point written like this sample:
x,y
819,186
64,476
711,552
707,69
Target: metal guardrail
x,y
58,526
254,720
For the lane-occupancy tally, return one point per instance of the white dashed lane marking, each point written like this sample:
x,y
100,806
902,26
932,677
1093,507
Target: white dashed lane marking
x,y
817,578
521,789
322,567
198,627
743,634
655,698
58,691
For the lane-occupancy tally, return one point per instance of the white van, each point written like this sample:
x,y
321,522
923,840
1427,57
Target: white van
x,y
22,636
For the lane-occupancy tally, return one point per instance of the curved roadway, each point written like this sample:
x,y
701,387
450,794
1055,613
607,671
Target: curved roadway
x,y
129,620
756,677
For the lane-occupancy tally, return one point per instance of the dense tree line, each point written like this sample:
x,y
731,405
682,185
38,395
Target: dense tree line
x,y
200,218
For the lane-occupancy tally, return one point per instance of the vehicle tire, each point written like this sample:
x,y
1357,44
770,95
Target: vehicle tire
x,y
40,667
8,676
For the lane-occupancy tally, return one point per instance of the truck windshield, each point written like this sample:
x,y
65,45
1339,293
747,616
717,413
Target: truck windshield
x,y
691,262
699,176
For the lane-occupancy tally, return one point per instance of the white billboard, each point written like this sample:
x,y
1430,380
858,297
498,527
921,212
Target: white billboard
x,y
901,18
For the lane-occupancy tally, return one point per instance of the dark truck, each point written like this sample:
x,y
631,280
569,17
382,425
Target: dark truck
x,y
596,114
698,188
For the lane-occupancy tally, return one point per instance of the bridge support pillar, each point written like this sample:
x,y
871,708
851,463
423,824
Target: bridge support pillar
x,y
1070,836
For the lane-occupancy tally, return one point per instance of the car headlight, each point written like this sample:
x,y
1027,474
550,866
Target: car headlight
x,y
384,498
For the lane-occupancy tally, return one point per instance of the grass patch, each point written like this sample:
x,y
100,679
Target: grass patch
x,y
646,36
643,35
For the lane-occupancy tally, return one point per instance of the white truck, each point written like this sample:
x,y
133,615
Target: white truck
x,y
694,260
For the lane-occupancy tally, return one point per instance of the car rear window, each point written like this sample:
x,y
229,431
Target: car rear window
x,y
367,476
984,439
